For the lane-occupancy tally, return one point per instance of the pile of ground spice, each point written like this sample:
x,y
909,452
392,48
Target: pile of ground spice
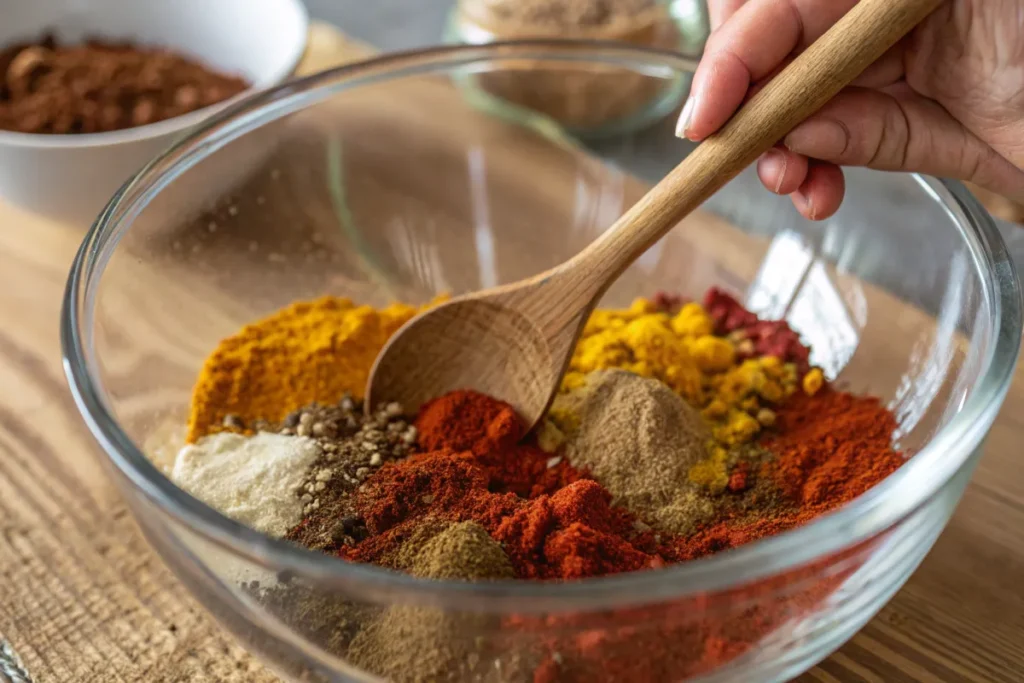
x,y
461,551
98,86
640,440
684,349
255,481
827,449
309,352
408,644
551,522
352,447
656,407
422,644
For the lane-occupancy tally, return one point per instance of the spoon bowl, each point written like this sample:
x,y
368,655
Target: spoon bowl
x,y
480,342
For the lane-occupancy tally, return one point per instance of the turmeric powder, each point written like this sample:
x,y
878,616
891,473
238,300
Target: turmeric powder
x,y
310,351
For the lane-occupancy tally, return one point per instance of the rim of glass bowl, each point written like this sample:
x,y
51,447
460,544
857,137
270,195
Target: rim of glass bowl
x,y
879,509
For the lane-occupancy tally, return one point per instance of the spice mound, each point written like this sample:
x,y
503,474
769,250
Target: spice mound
x,y
253,481
99,86
425,644
681,429
639,439
309,352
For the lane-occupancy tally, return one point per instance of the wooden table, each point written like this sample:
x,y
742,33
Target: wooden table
x,y
82,598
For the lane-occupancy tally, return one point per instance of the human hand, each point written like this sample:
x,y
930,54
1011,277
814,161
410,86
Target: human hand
x,y
947,100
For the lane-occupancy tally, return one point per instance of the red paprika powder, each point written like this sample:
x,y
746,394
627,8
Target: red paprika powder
x,y
829,449
465,421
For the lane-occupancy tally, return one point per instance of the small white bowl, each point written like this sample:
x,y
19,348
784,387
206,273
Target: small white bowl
x,y
71,177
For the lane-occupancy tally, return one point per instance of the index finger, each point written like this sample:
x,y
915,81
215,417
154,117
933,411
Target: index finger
x,y
746,48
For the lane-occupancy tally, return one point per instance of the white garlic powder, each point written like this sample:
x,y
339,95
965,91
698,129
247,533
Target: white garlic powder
x,y
253,480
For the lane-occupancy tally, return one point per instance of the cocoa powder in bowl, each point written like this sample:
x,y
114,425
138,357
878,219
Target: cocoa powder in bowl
x,y
99,86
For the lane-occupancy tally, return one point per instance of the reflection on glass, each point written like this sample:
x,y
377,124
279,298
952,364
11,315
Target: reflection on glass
x,y
794,284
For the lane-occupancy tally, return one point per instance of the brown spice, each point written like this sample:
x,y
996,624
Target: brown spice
x,y
406,643
329,621
462,551
420,644
639,439
100,86
404,554
353,447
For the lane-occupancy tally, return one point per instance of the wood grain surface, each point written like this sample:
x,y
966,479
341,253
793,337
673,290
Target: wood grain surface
x,y
82,598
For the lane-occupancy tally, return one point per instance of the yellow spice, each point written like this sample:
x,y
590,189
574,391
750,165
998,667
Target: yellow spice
x,y
813,381
310,351
682,352
321,349
712,472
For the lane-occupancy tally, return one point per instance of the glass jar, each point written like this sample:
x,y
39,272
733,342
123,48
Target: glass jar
x,y
596,102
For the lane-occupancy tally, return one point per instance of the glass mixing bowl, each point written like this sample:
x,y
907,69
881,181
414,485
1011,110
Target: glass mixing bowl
x,y
386,180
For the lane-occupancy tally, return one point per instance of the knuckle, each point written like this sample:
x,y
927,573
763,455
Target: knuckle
x,y
890,145
847,148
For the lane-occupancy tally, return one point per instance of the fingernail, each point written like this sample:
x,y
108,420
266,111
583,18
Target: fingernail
x,y
808,204
685,118
777,158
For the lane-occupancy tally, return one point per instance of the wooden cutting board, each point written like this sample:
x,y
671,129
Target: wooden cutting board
x,y
82,597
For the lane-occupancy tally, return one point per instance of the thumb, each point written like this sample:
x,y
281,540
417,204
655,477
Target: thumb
x,y
895,129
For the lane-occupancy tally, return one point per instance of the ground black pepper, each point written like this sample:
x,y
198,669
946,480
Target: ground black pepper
x,y
354,447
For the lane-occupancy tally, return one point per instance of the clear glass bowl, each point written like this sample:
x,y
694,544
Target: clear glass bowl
x,y
381,181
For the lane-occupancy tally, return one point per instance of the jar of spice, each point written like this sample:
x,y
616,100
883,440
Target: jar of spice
x,y
589,101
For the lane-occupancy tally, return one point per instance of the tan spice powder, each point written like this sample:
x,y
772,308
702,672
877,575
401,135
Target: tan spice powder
x,y
463,551
409,644
639,439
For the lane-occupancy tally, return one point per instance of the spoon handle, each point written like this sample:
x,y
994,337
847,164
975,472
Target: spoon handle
x,y
869,29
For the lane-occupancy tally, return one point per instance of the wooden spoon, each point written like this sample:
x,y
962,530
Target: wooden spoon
x,y
514,342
